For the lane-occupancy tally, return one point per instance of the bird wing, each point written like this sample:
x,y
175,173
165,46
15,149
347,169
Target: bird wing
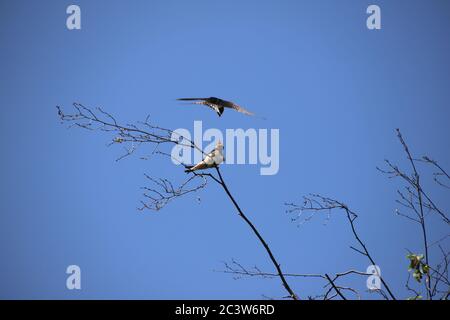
x,y
192,99
231,105
207,162
199,166
202,101
209,159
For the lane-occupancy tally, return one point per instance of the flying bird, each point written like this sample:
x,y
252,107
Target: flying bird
x,y
217,104
212,159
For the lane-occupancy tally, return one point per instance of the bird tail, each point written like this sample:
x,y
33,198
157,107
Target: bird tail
x,y
246,112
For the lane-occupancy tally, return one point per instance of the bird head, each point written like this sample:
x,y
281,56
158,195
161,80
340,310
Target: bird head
x,y
219,145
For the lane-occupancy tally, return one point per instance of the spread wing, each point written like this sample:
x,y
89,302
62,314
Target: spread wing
x,y
192,99
231,105
202,101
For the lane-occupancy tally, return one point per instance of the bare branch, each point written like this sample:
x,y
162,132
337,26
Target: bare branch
x,y
440,173
334,287
161,191
238,269
318,203
258,235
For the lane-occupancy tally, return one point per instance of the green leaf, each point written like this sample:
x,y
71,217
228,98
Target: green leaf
x,y
415,298
417,275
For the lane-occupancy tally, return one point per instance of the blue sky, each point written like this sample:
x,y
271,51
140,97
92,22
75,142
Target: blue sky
x,y
335,89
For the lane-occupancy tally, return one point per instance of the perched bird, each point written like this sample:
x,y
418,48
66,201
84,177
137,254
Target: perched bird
x,y
217,104
212,159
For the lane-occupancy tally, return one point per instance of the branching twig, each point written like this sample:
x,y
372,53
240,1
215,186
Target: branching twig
x,y
318,203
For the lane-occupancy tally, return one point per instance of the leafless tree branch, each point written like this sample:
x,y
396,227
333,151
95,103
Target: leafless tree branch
x,y
318,203
161,191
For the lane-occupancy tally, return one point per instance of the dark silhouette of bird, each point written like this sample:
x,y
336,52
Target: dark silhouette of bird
x,y
218,105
